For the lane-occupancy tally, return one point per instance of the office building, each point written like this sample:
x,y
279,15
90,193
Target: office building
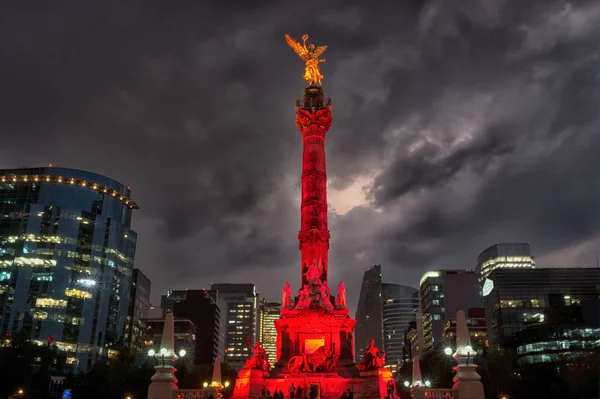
x,y
269,312
242,321
399,305
505,255
66,260
139,306
475,319
184,334
568,333
443,293
369,312
207,310
515,297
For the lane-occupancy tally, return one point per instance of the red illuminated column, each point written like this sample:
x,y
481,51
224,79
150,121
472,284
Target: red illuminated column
x,y
313,119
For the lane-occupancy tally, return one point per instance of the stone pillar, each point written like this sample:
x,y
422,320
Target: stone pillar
x,y
417,390
164,382
466,381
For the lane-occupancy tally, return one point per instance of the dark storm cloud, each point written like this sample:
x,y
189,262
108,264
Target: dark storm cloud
x,y
477,120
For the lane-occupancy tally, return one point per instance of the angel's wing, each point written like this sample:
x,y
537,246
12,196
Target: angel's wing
x,y
319,50
297,47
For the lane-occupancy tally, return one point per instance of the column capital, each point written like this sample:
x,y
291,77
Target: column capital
x,y
313,122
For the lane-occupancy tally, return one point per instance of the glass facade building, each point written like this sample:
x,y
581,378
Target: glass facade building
x,y
516,297
66,260
505,255
399,305
568,334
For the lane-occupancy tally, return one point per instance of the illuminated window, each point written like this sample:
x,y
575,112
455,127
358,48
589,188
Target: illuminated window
x,y
50,303
75,293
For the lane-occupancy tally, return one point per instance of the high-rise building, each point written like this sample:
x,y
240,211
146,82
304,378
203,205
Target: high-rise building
x,y
369,312
207,310
505,255
242,320
515,297
66,260
443,293
399,305
139,306
269,312
184,334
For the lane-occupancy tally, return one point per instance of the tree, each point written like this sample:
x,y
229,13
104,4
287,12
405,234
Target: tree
x,y
25,365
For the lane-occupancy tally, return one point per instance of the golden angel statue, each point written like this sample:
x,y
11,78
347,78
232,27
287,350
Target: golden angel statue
x,y
310,55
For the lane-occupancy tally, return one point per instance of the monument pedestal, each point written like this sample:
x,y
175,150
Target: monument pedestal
x,y
249,384
375,383
163,383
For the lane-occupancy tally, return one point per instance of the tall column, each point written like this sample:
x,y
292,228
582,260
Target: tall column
x,y
313,119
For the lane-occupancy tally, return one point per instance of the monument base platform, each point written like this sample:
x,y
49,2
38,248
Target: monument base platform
x,y
369,385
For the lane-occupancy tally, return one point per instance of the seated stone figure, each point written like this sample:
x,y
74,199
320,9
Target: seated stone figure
x,y
260,359
373,358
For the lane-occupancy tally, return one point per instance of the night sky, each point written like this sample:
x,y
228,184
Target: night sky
x,y
456,124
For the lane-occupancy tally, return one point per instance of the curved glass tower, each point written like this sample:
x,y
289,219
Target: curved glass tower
x,y
66,259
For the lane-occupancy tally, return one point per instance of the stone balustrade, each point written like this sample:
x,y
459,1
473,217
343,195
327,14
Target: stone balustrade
x,y
441,394
189,394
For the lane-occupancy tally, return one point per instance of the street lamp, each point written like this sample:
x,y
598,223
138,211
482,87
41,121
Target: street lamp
x,y
226,384
205,384
165,352
406,384
469,349
427,383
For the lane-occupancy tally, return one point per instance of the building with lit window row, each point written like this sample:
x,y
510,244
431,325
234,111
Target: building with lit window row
x,y
518,297
505,255
66,260
269,312
442,294
242,321
569,333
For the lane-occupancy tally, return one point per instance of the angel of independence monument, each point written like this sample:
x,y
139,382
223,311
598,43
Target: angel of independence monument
x,y
315,334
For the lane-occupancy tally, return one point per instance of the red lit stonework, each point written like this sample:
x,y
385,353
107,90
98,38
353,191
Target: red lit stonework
x,y
315,334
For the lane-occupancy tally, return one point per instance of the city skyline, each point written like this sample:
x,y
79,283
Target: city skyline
x,y
469,126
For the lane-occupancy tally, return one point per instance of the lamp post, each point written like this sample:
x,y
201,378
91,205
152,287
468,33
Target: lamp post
x,y
466,381
468,350
164,382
